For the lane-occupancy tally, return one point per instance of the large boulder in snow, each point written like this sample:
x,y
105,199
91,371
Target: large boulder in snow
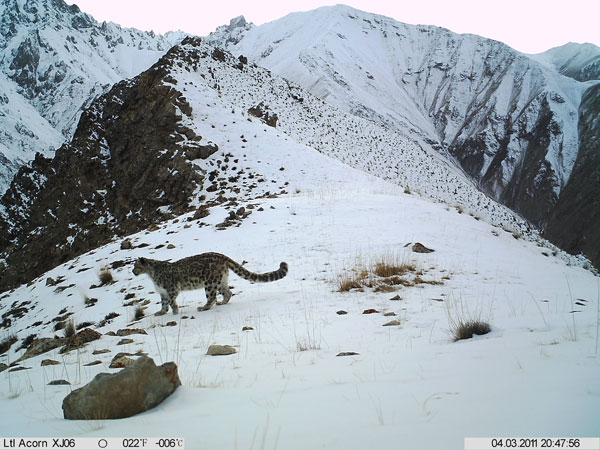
x,y
131,391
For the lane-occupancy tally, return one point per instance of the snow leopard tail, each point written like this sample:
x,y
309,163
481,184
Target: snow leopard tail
x,y
258,277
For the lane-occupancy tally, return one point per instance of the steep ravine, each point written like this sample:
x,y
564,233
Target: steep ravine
x,y
575,222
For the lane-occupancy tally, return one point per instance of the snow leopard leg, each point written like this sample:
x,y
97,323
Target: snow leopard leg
x,y
211,296
165,301
224,289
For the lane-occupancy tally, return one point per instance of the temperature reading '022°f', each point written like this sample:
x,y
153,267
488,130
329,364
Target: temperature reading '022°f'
x,y
147,443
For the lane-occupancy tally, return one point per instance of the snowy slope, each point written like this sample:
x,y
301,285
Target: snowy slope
x,y
23,132
535,374
358,142
55,60
509,121
120,184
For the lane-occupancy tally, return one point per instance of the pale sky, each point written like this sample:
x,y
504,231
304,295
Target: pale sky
x,y
530,26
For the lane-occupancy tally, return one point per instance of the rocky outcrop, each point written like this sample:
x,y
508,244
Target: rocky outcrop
x,y
262,112
44,345
575,223
128,166
131,391
54,60
513,164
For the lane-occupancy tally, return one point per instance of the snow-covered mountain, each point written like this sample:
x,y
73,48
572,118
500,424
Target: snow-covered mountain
x,y
509,120
54,59
107,182
267,195
578,61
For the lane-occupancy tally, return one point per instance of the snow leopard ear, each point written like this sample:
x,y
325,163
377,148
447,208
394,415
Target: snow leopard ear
x,y
142,260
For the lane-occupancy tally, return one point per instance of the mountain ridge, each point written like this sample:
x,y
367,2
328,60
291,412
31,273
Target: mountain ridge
x,y
508,120
54,60
125,131
496,119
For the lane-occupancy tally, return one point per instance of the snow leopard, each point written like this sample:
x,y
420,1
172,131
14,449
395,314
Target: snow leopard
x,y
206,270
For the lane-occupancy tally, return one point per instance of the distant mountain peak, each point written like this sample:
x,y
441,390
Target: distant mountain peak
x,y
578,61
237,22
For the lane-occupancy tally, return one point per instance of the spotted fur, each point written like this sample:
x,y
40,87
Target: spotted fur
x,y
207,270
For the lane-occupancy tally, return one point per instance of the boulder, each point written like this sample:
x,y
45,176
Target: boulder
x,y
216,350
130,391
50,362
40,346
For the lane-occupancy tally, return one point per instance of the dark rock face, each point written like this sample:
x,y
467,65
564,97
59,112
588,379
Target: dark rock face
x,y
531,190
262,112
127,167
526,182
575,223
133,390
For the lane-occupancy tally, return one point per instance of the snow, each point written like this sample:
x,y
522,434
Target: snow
x,y
426,82
409,386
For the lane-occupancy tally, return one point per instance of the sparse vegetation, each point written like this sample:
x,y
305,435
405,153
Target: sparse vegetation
x,y
111,316
387,268
465,324
7,342
88,301
347,282
84,325
470,328
384,274
107,319
139,312
26,343
69,328
106,276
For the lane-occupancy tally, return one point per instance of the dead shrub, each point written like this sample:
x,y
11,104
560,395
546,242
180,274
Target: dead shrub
x,y
469,329
464,324
69,329
106,276
139,312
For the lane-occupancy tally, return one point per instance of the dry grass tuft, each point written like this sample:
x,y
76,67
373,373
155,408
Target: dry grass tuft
x,y
384,274
465,324
69,329
470,328
347,282
139,312
106,276
386,269
7,342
